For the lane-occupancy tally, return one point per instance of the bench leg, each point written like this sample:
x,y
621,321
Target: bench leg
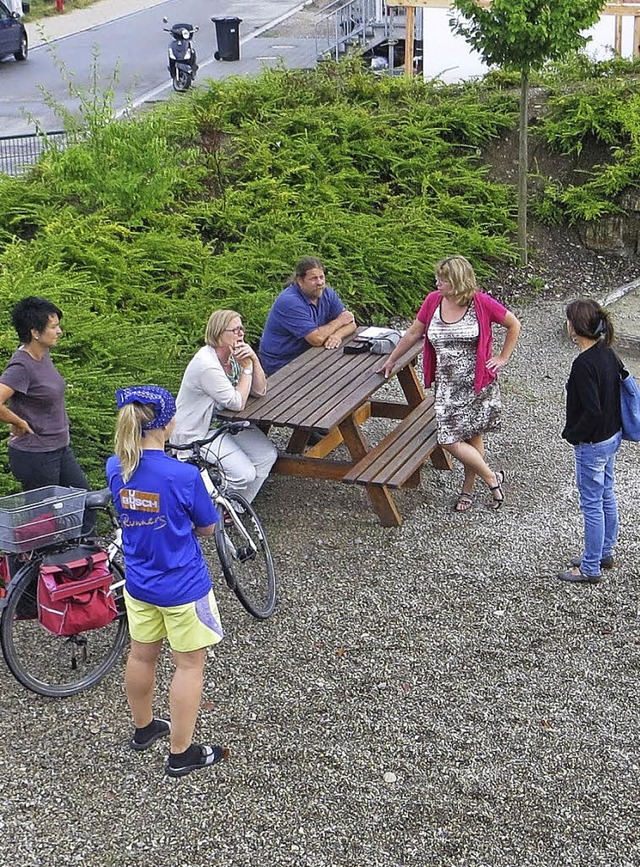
x,y
326,445
334,438
383,504
413,481
297,442
411,387
299,438
353,439
440,459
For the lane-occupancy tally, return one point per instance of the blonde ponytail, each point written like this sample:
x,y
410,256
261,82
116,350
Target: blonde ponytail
x,y
128,436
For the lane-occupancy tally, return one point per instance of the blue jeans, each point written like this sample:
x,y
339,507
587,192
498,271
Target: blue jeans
x,y
594,476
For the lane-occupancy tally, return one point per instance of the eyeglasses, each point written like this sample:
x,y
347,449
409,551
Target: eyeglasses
x,y
239,330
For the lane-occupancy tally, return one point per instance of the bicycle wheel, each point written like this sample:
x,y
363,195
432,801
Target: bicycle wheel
x,y
245,556
51,665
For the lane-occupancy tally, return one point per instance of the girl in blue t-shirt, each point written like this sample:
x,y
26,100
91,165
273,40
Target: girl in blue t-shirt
x,y
163,506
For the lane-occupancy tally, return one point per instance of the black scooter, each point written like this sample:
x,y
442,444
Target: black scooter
x,y
182,55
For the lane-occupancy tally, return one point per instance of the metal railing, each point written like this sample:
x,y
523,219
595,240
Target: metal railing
x,y
345,23
18,153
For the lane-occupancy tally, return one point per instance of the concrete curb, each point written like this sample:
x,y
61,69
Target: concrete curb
x,y
621,292
627,338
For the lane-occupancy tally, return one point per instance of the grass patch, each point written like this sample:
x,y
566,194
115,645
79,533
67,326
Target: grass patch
x,y
45,8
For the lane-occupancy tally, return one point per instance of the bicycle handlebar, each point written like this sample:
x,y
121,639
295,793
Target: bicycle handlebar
x,y
230,427
98,499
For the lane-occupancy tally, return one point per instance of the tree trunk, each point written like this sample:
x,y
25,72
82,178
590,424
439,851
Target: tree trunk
x,y
523,166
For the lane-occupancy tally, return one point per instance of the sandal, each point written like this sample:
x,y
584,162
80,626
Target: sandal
x,y
464,502
200,756
147,736
497,501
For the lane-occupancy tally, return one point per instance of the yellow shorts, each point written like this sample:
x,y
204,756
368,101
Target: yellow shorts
x,y
186,627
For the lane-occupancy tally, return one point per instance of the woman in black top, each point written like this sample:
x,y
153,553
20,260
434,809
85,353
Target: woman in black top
x,y
593,427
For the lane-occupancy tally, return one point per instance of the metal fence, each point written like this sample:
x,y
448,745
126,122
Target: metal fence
x,y
345,23
18,153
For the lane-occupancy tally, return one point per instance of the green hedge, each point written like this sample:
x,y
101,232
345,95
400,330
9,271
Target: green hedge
x,y
591,103
143,229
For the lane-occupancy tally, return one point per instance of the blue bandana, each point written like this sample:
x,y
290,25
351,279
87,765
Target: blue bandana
x,y
161,400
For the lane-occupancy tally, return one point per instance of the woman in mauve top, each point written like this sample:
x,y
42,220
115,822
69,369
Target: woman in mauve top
x,y
32,402
455,324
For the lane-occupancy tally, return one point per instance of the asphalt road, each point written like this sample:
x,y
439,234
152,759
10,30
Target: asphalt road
x,y
134,47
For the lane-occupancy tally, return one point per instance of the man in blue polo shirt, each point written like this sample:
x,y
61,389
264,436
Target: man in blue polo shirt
x,y
306,313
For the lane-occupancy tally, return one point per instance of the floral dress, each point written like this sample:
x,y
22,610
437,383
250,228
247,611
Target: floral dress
x,y
461,413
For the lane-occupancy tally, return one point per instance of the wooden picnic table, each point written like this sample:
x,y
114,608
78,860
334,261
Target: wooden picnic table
x,y
331,393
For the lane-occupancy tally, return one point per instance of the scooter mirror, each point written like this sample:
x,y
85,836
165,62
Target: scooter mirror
x,y
165,20
195,29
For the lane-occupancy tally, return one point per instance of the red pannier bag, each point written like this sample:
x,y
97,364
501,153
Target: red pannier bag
x,y
75,595
5,575
38,529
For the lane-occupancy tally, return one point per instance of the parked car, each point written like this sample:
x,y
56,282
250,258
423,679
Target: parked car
x,y
13,36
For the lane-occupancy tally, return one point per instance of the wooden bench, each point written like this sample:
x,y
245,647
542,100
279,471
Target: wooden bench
x,y
397,459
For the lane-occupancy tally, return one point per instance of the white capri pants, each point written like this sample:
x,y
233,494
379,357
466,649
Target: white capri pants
x,y
246,458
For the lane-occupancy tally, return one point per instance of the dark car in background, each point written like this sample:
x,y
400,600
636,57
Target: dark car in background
x,y
13,36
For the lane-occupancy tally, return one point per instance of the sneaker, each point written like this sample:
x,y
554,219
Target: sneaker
x,y
579,577
605,563
195,758
145,737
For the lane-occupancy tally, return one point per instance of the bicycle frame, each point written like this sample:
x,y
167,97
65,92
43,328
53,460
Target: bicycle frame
x,y
240,540
216,490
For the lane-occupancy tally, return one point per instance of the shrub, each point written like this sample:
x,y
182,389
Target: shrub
x,y
142,227
602,107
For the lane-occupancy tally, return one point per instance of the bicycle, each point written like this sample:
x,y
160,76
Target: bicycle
x,y
47,664
240,539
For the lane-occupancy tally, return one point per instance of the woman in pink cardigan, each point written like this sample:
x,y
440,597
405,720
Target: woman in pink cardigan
x,y
455,323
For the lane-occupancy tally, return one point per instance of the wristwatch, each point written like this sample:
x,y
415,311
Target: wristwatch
x,y
248,370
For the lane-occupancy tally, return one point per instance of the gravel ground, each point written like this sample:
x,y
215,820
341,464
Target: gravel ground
x,y
430,695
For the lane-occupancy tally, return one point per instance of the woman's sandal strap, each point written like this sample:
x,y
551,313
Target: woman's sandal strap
x,y
498,501
464,502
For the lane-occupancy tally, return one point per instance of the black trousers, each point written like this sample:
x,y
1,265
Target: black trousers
x,y
60,467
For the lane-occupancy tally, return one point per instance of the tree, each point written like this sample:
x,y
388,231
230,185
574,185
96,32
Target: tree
x,y
523,35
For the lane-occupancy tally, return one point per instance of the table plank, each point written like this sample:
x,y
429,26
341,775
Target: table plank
x,y
287,387
328,391
319,389
342,390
